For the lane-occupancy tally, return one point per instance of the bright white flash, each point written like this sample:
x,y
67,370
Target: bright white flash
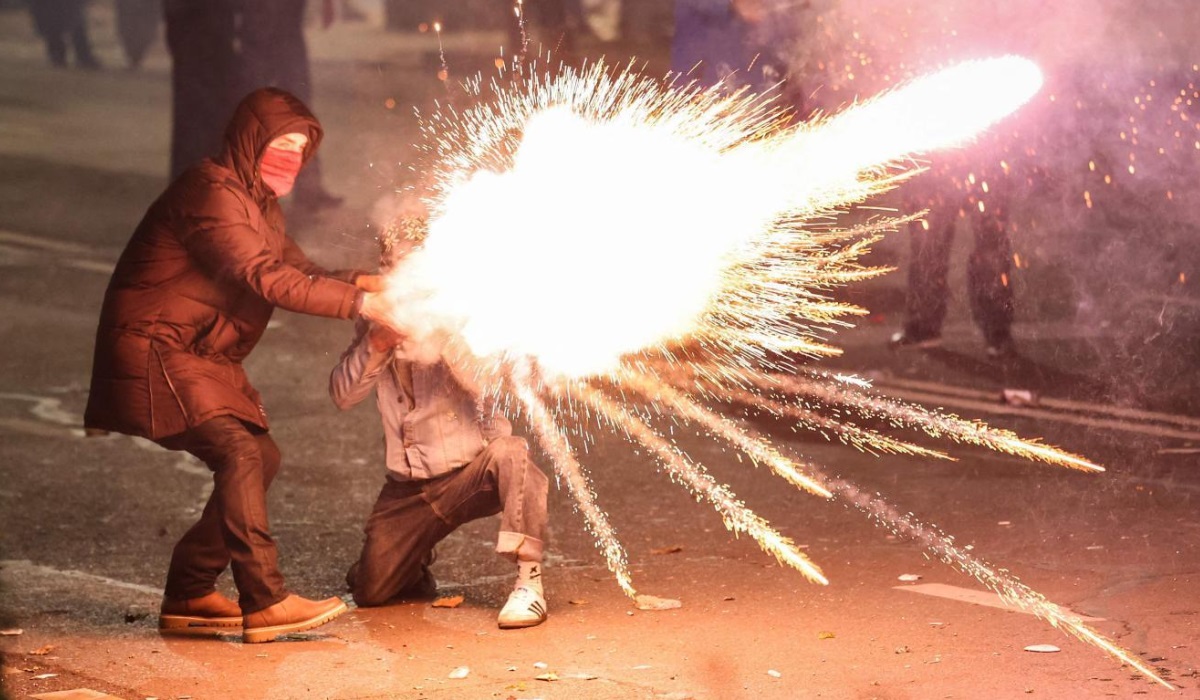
x,y
611,234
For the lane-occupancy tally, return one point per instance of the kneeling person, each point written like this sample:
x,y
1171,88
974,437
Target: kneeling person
x,y
447,465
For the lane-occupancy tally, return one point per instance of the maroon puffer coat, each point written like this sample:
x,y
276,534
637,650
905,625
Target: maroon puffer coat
x,y
196,285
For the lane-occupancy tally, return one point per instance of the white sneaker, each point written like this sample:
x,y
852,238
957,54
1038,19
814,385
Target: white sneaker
x,y
526,607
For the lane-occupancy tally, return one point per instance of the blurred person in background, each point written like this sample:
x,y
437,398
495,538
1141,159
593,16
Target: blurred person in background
x,y
734,44
137,28
202,38
966,190
59,22
274,54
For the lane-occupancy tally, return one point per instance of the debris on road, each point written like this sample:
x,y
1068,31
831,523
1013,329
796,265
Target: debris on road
x,y
774,674
577,601
672,549
42,651
826,635
12,632
1018,397
460,672
649,602
1042,648
909,578
136,613
551,676
452,601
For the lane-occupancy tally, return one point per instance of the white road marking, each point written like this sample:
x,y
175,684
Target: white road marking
x,y
24,567
47,408
50,244
91,266
33,427
1065,404
941,400
976,597
83,256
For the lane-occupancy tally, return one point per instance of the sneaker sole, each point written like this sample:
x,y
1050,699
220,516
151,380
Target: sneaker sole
x,y
186,624
520,624
267,634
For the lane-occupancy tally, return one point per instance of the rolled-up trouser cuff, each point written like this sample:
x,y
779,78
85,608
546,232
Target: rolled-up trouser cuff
x,y
519,547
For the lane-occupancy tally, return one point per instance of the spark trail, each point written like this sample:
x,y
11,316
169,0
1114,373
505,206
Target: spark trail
x,y
673,243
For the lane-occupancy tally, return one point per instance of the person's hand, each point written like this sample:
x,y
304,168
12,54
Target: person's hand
x,y
376,308
369,283
383,338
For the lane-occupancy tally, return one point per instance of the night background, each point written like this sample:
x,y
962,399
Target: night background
x,y
1098,177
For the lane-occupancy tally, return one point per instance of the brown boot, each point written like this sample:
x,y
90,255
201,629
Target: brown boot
x,y
210,614
292,614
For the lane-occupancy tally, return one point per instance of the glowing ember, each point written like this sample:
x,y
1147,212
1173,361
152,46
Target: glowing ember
x,y
597,232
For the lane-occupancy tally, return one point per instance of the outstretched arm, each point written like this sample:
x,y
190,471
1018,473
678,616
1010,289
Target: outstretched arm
x,y
296,257
229,247
361,365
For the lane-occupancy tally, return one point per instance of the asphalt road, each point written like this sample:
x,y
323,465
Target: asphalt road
x,y
86,525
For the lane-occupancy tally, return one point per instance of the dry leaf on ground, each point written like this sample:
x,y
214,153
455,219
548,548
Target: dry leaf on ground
x,y
452,601
649,602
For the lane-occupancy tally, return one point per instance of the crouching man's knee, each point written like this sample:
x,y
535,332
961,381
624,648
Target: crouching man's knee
x,y
508,448
511,455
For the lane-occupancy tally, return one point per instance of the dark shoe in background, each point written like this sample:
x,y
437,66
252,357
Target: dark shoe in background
x,y
424,589
904,339
1004,349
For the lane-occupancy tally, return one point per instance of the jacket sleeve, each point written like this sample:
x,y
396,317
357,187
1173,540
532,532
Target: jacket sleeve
x,y
294,256
219,238
358,371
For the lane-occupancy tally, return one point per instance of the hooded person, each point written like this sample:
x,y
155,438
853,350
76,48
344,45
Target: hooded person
x,y
188,301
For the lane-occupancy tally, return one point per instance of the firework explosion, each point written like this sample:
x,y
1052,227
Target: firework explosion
x,y
675,245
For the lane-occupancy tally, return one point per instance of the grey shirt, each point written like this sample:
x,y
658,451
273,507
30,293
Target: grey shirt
x,y
432,424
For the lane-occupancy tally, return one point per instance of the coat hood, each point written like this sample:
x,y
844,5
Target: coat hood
x,y
263,116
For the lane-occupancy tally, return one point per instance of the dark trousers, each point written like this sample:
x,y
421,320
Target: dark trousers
x,y
410,517
988,268
204,78
59,20
137,27
274,54
233,530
